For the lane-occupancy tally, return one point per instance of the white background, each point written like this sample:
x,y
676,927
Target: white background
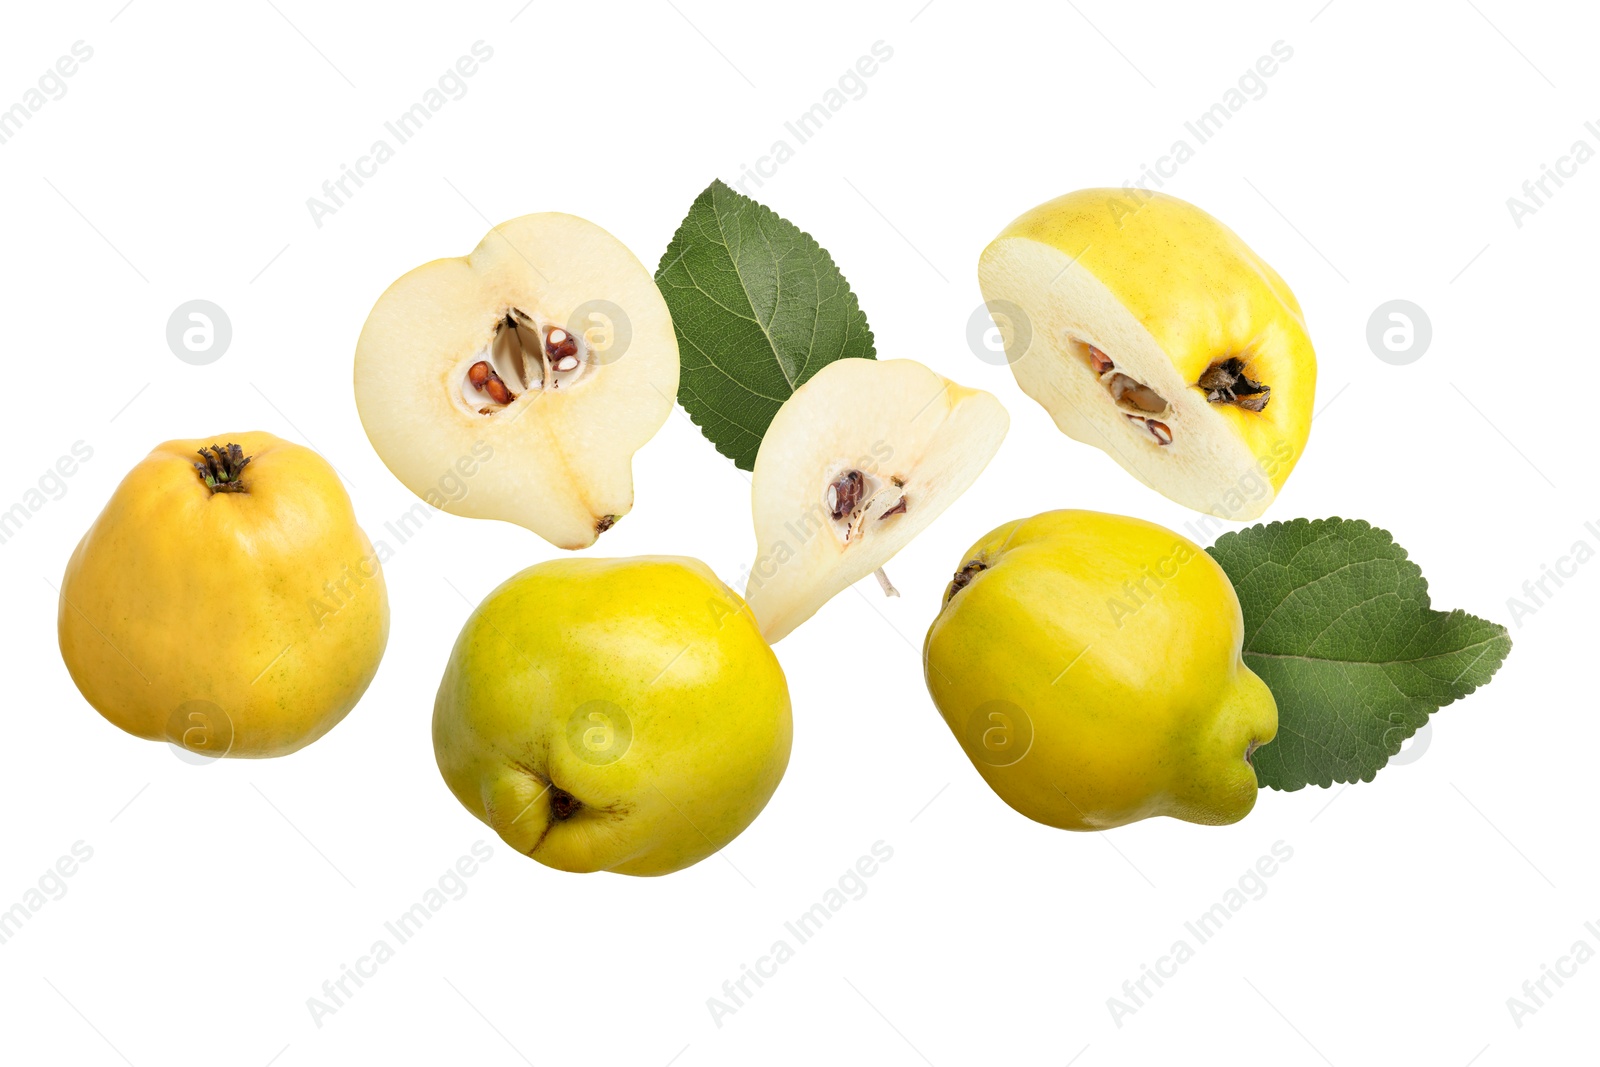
x,y
1377,166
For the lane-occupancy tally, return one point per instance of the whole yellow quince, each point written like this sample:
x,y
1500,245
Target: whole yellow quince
x,y
225,600
613,714
1089,665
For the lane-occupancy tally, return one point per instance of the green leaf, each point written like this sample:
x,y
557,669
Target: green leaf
x,y
1338,624
759,307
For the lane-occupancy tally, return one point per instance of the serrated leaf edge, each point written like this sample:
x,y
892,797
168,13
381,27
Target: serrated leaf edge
x,y
1426,604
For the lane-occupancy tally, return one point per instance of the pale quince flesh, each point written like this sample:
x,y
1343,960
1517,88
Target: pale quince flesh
x,y
862,458
1148,329
534,367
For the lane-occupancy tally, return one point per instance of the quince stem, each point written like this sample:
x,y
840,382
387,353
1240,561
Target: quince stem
x,y
222,468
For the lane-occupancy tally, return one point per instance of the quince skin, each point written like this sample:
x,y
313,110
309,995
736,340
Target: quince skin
x,y
1089,665
225,600
1148,329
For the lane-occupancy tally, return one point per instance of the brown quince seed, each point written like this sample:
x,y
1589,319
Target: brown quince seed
x,y
1141,396
558,344
484,379
498,392
1158,430
845,493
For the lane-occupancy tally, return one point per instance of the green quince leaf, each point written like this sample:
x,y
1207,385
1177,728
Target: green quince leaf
x,y
1338,624
759,307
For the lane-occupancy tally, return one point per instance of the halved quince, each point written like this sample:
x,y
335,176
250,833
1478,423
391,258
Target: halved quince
x,y
861,459
540,363
1151,331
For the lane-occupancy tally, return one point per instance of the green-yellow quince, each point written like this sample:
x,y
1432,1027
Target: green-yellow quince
x,y
613,714
1089,665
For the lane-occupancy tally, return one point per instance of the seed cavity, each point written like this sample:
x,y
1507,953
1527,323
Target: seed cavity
x,y
1136,399
1225,382
523,354
854,495
1124,390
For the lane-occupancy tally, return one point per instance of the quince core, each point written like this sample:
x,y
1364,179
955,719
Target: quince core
x,y
862,458
548,349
